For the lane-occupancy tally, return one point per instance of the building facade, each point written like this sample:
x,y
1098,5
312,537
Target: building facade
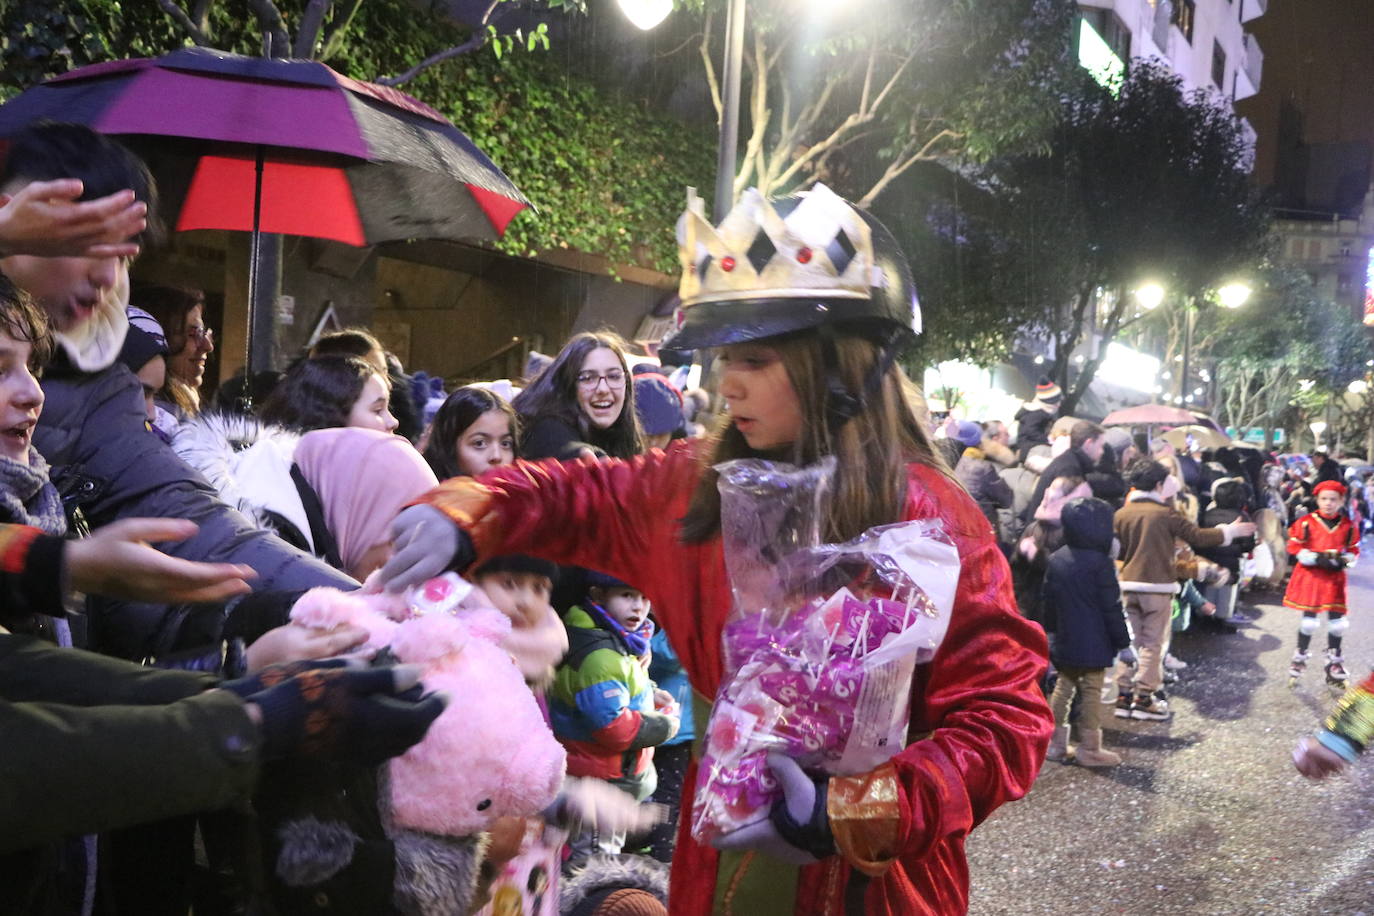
x,y
1336,250
1204,41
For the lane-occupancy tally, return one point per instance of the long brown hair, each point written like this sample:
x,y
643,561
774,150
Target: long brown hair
x,y
872,450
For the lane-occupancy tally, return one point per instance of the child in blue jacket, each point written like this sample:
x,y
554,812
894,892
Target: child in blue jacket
x,y
1082,601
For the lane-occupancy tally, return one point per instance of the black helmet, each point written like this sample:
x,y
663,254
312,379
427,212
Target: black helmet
x,y
810,260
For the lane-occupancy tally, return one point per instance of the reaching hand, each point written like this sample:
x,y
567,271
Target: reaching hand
x,y
116,561
797,831
366,716
289,642
1315,760
45,219
599,806
425,542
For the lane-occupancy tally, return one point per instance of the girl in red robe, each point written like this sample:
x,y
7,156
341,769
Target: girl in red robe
x,y
807,300
1324,543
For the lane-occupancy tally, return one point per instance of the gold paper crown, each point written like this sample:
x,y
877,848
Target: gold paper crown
x,y
813,244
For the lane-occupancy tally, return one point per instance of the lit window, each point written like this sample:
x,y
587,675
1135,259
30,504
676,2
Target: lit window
x,y
1183,15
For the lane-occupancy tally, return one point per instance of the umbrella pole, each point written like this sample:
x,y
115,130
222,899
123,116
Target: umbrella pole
x,y
254,255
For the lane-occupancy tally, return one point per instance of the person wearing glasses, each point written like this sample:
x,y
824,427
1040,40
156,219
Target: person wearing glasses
x,y
582,405
181,313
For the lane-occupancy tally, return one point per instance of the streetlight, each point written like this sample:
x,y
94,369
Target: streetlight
x,y
645,13
1318,428
1359,386
1150,295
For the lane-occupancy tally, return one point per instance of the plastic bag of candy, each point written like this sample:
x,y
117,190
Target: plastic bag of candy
x,y
822,642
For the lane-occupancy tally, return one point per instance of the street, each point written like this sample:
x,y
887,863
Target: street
x,y
1207,814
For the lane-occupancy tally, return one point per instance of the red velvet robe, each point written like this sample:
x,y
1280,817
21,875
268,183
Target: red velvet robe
x,y
979,699
1312,588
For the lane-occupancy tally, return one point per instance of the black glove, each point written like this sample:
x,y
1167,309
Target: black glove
x,y
364,716
273,675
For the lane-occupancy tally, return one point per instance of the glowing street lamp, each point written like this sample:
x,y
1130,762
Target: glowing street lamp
x,y
1150,296
645,13
1318,428
1233,295
1359,386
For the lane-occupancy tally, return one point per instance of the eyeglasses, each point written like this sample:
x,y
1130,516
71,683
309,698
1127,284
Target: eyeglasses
x,y
590,380
201,334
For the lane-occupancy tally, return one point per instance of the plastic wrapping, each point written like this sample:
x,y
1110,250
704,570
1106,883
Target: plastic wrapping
x,y
822,642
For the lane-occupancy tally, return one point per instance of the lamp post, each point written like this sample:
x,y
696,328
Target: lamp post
x,y
729,112
1230,296
1318,428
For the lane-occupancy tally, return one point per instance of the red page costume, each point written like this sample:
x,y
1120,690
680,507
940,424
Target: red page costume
x,y
977,709
1313,589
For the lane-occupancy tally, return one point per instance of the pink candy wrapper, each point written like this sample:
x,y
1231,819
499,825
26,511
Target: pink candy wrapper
x,y
822,644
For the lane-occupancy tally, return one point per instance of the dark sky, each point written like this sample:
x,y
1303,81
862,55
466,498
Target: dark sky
x,y
1320,53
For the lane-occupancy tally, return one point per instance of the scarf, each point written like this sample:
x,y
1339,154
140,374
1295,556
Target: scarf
x,y
27,497
96,342
637,641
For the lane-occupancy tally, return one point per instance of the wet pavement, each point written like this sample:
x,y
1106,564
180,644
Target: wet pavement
x,y
1206,815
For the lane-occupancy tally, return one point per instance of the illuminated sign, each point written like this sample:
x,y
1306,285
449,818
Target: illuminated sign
x,y
1098,58
1369,290
1129,368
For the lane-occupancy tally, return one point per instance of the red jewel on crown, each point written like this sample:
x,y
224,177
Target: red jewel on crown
x,y
727,264
804,256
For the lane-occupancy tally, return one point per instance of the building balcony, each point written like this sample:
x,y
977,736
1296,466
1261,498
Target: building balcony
x,y
1251,68
1252,9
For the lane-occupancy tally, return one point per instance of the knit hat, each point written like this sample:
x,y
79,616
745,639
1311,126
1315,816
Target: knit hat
x,y
1119,438
969,433
1047,391
620,901
658,404
519,563
140,347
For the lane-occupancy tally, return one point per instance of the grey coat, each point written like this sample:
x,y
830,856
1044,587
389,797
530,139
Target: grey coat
x,y
105,460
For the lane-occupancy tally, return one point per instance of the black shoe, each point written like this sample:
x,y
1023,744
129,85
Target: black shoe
x,y
1123,706
1150,707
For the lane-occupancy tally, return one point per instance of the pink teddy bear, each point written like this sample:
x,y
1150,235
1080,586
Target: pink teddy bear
x,y
490,754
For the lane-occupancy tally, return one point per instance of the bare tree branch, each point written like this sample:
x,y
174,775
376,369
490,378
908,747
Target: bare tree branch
x,y
312,20
178,15
899,165
200,15
760,115
338,25
711,80
274,27
685,43
481,34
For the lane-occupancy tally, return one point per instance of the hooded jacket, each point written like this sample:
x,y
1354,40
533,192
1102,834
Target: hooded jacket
x,y
601,705
979,476
982,720
105,461
1082,598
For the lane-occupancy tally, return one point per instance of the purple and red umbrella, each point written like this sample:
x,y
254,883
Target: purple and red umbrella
x,y
341,159
282,146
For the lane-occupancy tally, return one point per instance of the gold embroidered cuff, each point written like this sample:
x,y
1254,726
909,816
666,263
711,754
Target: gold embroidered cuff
x,y
865,818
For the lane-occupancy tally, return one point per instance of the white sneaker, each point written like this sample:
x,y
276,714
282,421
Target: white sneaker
x,y
1174,664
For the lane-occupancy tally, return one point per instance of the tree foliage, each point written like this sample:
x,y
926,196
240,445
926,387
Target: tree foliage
x,y
1149,184
1288,353
605,175
857,95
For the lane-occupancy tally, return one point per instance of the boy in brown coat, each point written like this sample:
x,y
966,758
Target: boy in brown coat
x,y
1147,527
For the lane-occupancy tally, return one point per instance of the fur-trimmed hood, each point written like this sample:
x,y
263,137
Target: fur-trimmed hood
x,y
248,462
603,872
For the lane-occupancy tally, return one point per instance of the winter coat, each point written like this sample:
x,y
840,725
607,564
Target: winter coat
x,y
978,705
103,457
1073,463
979,476
551,437
1227,498
94,744
1082,598
1147,530
601,705
665,670
1033,427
